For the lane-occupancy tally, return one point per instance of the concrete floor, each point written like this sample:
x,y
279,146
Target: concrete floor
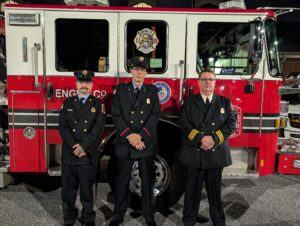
x,y
268,201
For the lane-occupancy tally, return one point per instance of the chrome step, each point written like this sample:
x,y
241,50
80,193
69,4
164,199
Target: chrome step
x,y
5,177
239,173
54,171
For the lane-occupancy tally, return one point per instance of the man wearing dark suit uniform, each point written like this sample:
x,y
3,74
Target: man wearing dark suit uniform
x,y
81,122
135,112
207,120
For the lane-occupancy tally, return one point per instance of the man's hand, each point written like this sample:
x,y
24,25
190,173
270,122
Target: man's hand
x,y
207,143
79,151
135,140
140,146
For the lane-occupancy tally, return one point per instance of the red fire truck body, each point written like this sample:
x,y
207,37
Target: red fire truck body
x,y
47,43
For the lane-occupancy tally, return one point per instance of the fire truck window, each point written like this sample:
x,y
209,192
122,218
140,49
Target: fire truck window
x,y
82,44
223,48
148,39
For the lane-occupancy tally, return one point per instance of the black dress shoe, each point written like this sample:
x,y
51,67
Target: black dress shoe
x,y
202,219
151,224
92,223
115,222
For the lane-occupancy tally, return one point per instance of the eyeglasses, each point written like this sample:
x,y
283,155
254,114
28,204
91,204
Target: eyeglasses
x,y
207,79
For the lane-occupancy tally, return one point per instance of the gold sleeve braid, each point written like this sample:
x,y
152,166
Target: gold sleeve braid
x,y
192,134
220,136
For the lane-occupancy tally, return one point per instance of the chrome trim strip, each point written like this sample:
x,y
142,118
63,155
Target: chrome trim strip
x,y
259,128
45,88
23,91
258,118
32,124
262,95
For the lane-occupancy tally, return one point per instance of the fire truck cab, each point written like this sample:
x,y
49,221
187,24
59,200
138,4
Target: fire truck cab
x,y
46,44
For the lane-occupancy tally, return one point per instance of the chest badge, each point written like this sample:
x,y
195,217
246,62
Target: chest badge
x,y
222,110
93,109
148,101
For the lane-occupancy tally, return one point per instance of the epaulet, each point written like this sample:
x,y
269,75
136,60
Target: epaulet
x,y
70,99
67,101
223,98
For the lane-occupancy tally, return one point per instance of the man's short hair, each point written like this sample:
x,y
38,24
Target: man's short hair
x,y
207,71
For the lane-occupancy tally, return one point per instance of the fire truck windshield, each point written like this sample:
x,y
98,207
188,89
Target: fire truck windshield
x,y
223,47
272,46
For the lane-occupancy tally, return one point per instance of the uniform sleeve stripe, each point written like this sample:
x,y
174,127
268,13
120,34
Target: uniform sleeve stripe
x,y
125,130
192,134
148,133
220,136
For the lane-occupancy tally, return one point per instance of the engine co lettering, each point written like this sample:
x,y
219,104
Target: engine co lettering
x,y
64,93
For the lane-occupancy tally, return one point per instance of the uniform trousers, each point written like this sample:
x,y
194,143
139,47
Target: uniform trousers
x,y
195,178
74,176
146,173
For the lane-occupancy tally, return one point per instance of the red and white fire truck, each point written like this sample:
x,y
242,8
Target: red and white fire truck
x,y
47,43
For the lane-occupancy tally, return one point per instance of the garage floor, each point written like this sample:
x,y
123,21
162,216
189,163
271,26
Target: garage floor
x,y
268,201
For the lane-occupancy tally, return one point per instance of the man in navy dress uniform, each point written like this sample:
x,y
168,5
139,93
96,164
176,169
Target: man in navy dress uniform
x,y
135,111
81,122
206,120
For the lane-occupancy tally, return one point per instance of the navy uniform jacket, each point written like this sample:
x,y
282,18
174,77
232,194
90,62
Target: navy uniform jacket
x,y
218,122
83,124
131,115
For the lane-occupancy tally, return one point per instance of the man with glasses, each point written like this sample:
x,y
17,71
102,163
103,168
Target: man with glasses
x,y
135,112
206,120
81,122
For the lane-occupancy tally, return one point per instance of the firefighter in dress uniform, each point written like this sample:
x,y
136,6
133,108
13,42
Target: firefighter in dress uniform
x,y
81,122
135,112
206,120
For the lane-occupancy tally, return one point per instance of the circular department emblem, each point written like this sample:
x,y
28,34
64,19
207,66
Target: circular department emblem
x,y
164,91
146,40
29,132
238,112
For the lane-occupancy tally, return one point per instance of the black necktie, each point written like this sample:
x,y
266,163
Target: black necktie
x,y
82,100
207,102
137,92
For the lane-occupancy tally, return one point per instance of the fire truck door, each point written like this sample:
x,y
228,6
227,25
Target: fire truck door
x,y
76,40
221,43
25,70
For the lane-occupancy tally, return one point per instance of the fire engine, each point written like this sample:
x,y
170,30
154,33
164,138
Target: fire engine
x,y
47,43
